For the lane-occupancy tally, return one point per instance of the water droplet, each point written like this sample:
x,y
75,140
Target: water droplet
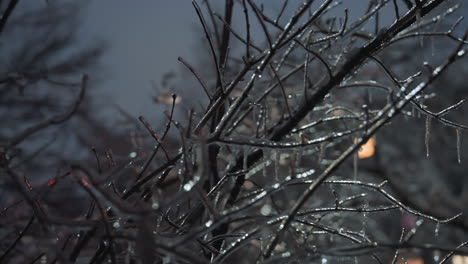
x,y
355,165
437,256
258,70
188,186
266,210
116,224
155,205
437,70
419,222
209,223
305,174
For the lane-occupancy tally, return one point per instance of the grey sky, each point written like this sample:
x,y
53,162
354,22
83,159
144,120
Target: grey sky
x,y
145,38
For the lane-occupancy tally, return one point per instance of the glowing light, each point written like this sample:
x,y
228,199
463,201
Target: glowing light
x,y
459,259
367,150
411,260
52,182
167,97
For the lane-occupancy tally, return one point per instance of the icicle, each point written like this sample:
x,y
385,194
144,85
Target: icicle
x,y
432,48
418,22
276,158
437,256
291,163
421,43
355,165
299,158
154,202
365,216
458,145
260,118
428,134
245,154
322,147
436,230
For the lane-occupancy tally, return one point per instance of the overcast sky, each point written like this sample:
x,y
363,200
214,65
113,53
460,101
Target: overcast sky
x,y
147,36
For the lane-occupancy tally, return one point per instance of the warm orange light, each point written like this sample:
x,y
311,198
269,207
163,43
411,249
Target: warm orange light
x,y
367,150
51,182
459,259
167,97
411,260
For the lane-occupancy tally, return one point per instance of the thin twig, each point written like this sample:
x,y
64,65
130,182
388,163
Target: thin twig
x,y
200,80
210,42
53,121
17,239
